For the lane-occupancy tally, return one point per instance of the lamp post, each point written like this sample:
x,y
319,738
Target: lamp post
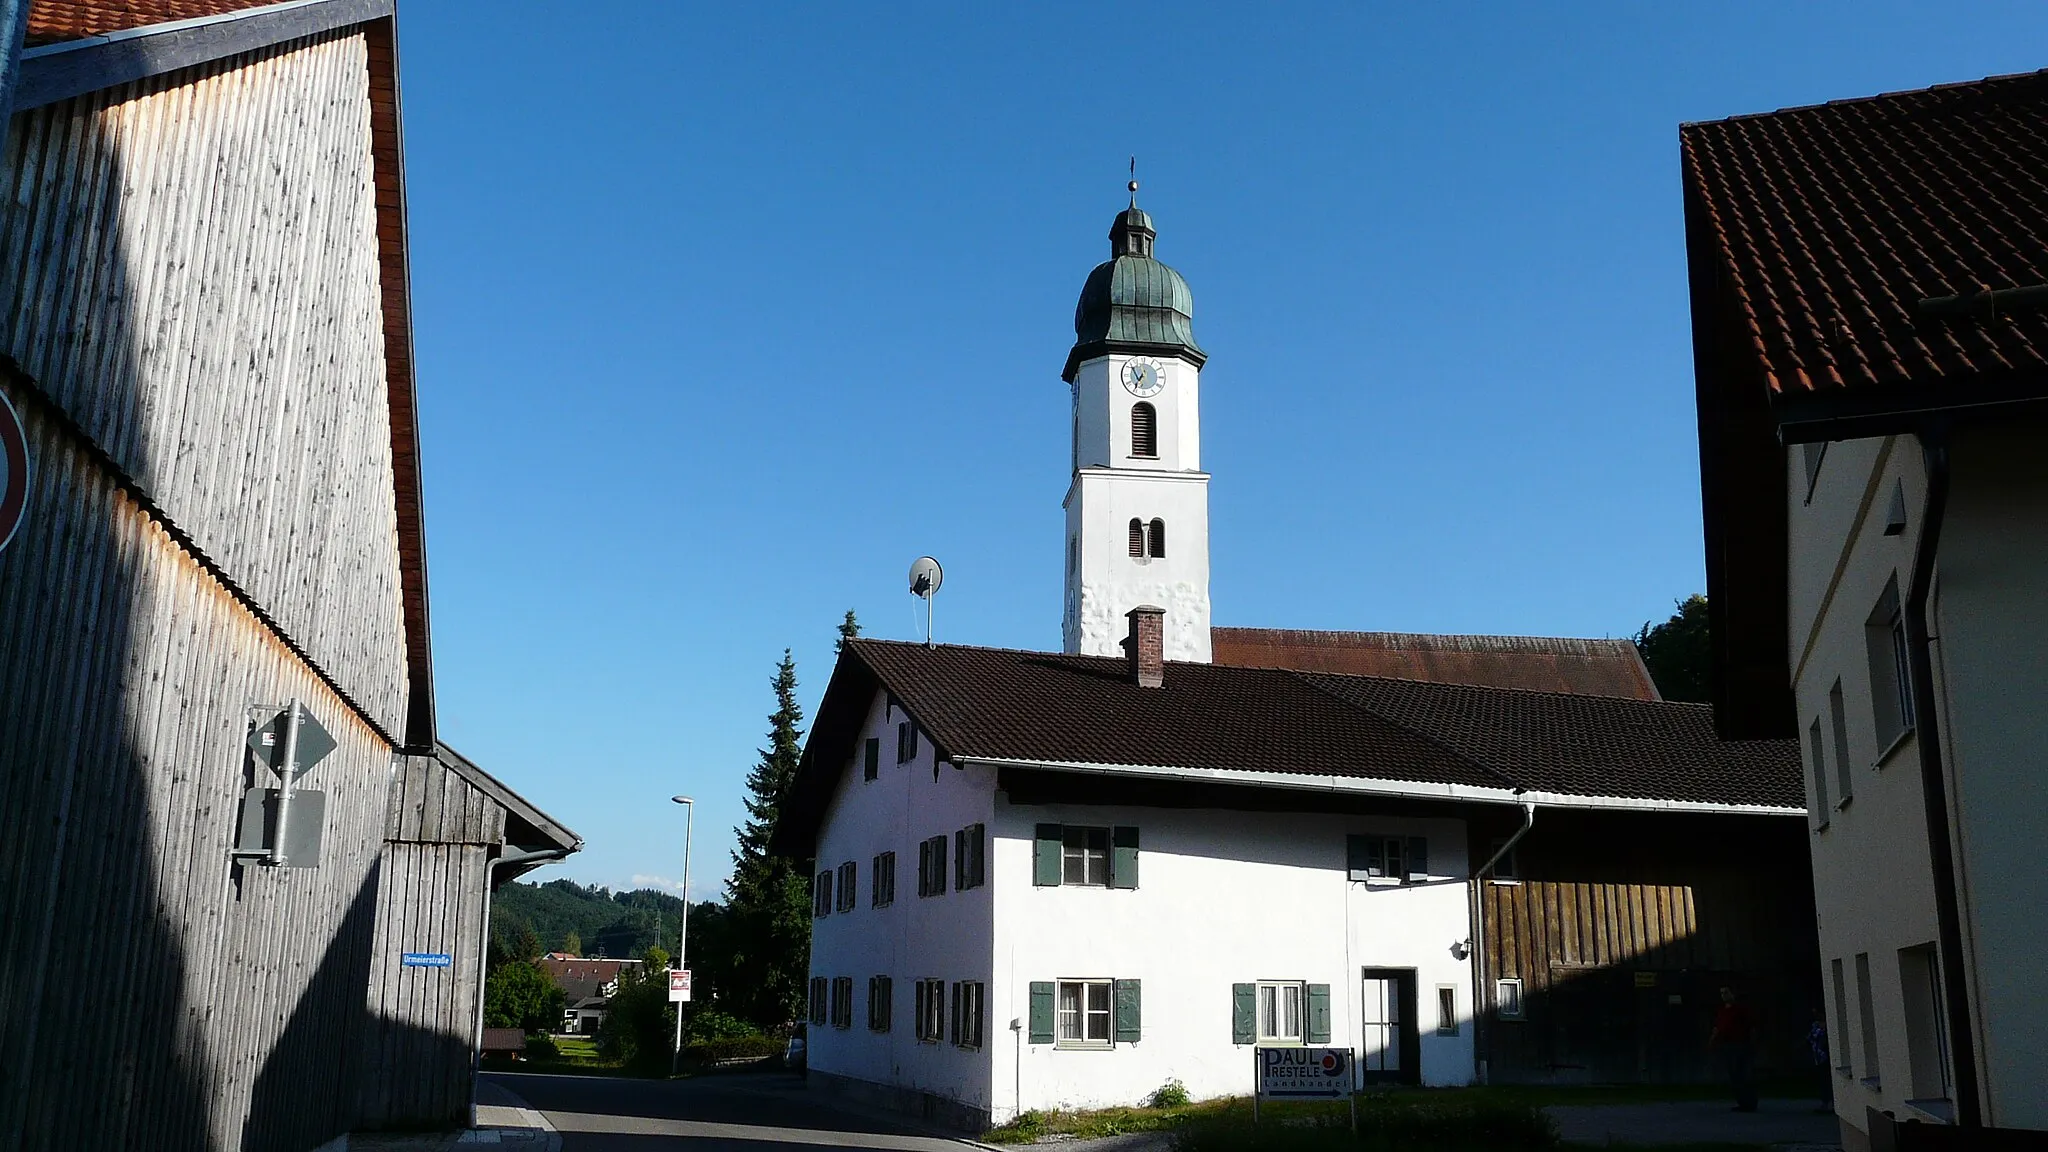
x,y
683,937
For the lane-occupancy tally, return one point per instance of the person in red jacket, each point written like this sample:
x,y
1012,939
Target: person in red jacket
x,y
1734,1037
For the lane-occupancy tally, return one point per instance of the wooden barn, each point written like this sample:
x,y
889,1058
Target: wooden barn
x,y
219,572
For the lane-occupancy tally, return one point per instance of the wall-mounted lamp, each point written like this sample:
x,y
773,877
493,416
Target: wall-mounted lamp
x,y
1461,949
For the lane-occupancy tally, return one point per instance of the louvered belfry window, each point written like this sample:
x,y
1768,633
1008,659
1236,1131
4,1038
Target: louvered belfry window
x,y
1144,430
1137,537
1157,535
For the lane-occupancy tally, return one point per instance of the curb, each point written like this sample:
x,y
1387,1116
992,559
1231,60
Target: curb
x,y
531,1124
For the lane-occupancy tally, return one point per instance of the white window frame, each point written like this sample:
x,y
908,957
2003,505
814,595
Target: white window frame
x,y
972,996
1393,860
1277,1037
931,1010
1506,991
1447,1023
1085,854
1085,1014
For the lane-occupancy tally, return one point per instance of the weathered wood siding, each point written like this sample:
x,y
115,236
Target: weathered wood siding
x,y
153,993
440,832
1618,913
189,269
188,281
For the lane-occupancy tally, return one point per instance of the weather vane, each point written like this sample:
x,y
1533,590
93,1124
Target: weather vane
x,y
1134,181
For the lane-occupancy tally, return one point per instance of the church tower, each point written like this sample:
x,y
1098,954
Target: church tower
x,y
1138,505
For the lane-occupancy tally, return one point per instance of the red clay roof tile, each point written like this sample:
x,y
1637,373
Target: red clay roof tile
x,y
1542,663
50,21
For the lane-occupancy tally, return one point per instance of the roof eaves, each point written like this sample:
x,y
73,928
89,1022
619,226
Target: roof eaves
x,y
512,802
1850,101
67,68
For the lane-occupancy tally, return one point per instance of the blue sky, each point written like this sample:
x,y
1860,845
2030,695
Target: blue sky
x,y
726,313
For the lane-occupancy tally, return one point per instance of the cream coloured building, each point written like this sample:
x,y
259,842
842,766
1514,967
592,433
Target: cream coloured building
x,y
1872,367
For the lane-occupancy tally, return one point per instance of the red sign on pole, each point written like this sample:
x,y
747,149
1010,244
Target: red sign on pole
x,y
13,471
678,985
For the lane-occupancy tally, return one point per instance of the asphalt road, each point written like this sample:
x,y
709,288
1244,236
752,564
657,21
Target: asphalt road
x,y
747,1112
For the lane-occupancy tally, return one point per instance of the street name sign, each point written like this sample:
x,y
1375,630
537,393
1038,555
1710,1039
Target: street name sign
x,y
426,959
13,471
678,985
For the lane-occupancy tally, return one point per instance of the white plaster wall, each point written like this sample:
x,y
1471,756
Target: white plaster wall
x,y
1991,658
1104,406
1108,581
1223,898
943,937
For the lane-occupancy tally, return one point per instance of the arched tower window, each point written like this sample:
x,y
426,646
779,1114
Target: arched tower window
x,y
1144,429
1137,537
1156,544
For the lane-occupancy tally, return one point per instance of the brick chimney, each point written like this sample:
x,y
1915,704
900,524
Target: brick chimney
x,y
1145,647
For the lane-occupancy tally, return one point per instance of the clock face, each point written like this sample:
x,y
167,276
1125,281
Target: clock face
x,y
1142,378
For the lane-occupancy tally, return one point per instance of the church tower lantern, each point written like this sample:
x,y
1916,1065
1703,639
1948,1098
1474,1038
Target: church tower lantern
x,y
1138,503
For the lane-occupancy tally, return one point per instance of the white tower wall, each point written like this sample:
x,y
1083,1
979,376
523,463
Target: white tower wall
x,y
1111,487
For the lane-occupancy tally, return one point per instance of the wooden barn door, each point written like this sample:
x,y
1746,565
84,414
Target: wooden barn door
x,y
1390,1050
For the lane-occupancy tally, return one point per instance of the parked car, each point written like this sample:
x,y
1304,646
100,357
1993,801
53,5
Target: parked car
x,y
793,1052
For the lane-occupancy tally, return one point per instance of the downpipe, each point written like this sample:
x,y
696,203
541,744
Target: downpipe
x,y
1477,917
1933,787
483,957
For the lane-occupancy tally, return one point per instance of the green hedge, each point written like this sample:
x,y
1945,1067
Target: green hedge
x,y
732,1048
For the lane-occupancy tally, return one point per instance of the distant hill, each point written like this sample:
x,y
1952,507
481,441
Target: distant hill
x,y
611,924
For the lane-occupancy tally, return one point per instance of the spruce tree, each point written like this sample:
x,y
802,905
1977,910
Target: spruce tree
x,y
848,629
768,896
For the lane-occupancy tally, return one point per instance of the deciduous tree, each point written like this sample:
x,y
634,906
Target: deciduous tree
x,y
1678,653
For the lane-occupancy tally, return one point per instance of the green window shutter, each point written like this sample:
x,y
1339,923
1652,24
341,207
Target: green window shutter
x,y
955,1034
871,766
960,860
1128,1011
1418,858
1041,1012
1045,855
1244,1013
939,865
1319,1013
1358,856
1123,859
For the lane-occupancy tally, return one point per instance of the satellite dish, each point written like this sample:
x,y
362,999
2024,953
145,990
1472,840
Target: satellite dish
x,y
925,578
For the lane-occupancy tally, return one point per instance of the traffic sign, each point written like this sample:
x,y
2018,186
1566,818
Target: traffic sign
x,y
678,985
268,740
13,471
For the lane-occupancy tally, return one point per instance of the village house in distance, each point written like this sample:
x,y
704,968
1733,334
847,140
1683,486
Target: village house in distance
x,y
1868,282
1060,880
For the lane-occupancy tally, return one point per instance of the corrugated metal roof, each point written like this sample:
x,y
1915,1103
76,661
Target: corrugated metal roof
x,y
1540,663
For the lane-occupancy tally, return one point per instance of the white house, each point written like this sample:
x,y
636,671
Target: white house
x,y
1063,880
1867,287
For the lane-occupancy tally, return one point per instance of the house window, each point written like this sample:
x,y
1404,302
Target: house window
x,y
1891,685
1084,856
1838,1043
1817,770
842,1002
931,1010
883,880
1155,540
1506,869
820,989
968,1013
1447,1009
1866,1007
970,857
906,741
1137,537
931,866
1144,430
871,759
1084,1014
847,889
821,895
1280,1012
1838,718
1926,1035
1380,859
1507,999
881,1007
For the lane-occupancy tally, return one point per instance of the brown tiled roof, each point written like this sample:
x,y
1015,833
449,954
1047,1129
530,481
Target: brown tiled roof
x,y
53,20
1043,708
1542,663
1830,224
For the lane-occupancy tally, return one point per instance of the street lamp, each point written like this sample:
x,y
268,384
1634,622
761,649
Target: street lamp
x,y
683,938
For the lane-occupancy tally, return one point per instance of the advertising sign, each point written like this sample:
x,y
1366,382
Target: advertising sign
x,y
678,985
13,471
1304,1073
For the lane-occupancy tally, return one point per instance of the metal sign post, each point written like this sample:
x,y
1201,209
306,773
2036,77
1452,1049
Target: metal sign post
x,y
13,463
